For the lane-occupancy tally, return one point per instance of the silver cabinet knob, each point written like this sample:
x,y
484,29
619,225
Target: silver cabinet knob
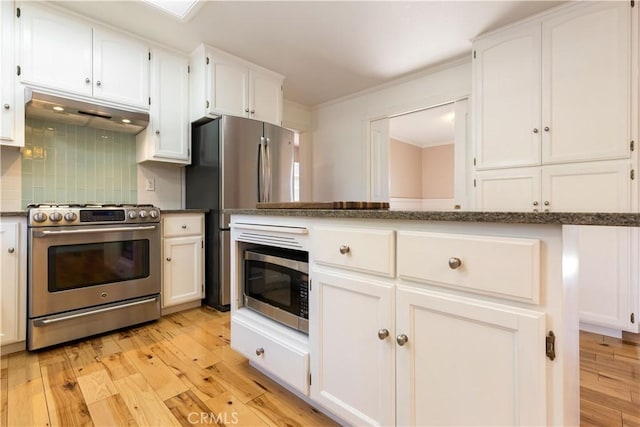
x,y
87,80
344,249
246,110
98,83
546,129
253,111
383,333
454,263
546,203
157,132
535,130
259,351
169,258
402,339
535,203
7,106
11,250
184,226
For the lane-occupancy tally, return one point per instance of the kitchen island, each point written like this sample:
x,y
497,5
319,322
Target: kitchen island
x,y
396,300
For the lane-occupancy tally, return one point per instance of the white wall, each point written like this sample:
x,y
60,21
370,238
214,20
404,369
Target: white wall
x,y
340,127
298,117
168,184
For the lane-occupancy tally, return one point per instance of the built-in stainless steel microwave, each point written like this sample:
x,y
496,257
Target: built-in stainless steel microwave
x,y
276,284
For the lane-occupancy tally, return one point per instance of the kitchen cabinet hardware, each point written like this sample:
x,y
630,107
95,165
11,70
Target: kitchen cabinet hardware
x,y
632,174
184,226
535,203
11,250
253,111
402,339
344,249
259,351
383,334
246,110
632,318
87,80
546,129
535,130
157,132
7,106
551,345
632,146
546,203
454,263
169,258
98,83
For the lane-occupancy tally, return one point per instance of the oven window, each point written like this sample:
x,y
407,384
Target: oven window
x,y
78,266
275,285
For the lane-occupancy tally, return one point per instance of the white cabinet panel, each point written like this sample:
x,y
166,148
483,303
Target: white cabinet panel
x,y
508,190
606,288
265,97
56,50
587,81
508,101
587,187
229,86
353,373
166,138
13,303
440,382
7,74
120,68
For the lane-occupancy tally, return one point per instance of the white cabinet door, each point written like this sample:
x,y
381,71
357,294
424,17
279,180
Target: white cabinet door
x,y
605,284
13,290
468,362
352,373
512,190
167,136
182,274
587,187
7,70
56,50
229,86
120,68
586,83
265,97
507,97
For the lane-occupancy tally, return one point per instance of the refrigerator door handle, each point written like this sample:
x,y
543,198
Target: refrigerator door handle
x,y
267,170
261,168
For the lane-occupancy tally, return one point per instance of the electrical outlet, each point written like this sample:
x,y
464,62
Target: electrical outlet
x,y
150,184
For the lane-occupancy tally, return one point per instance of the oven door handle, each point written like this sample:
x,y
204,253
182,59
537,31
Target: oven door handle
x,y
44,233
44,322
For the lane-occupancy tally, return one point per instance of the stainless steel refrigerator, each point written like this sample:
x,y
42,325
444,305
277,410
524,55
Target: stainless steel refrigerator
x,y
235,163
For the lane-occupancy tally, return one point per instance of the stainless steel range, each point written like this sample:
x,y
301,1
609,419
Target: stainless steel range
x,y
91,269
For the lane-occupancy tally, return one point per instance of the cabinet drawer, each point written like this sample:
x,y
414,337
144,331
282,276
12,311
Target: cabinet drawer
x,y
271,353
183,225
501,266
367,250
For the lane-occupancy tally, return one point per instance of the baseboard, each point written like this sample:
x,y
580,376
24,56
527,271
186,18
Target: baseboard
x,y
601,330
181,307
13,348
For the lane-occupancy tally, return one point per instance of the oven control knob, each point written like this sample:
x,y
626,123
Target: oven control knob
x,y
55,216
133,214
39,217
153,214
70,216
142,214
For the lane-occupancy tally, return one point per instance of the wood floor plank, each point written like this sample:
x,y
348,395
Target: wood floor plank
x,y
65,402
611,388
4,387
27,405
111,411
143,403
188,409
593,414
83,358
104,346
228,407
200,355
118,366
629,420
611,402
240,386
96,386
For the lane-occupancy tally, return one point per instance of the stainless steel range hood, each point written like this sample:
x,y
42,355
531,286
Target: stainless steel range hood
x,y
79,113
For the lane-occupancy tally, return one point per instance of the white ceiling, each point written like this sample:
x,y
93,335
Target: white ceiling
x,y
326,49
426,128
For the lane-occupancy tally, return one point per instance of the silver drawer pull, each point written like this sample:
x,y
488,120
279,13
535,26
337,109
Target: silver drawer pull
x,y
11,250
184,226
454,263
44,322
344,249
259,351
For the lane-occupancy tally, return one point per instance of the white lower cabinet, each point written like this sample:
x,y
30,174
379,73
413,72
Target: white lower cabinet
x,y
608,283
353,365
461,361
13,292
183,256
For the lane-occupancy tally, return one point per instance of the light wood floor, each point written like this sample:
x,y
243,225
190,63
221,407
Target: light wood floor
x,y
181,371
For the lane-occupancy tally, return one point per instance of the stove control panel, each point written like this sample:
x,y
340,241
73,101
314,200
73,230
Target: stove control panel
x,y
59,215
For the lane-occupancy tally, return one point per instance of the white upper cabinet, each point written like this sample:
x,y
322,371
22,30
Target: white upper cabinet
x,y
508,190
507,98
7,75
64,53
587,77
224,84
555,90
167,136
120,68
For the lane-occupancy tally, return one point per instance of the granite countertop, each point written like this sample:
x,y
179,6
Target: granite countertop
x,y
13,213
568,218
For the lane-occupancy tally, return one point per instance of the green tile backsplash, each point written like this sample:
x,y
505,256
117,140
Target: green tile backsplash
x,y
64,163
